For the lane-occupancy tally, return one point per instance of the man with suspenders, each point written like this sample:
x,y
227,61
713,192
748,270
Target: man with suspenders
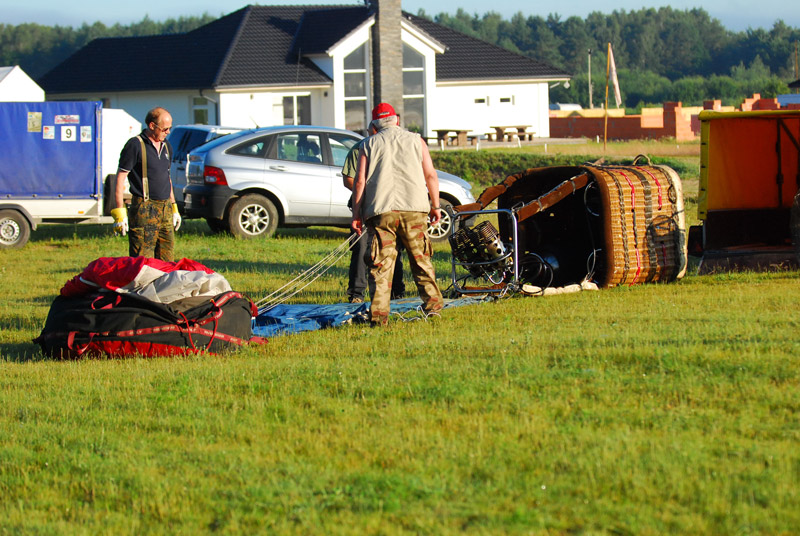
x,y
154,218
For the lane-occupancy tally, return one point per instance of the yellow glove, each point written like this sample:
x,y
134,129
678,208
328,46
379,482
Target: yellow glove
x,y
176,216
120,216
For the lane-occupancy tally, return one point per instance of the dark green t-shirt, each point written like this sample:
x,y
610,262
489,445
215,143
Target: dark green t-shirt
x,y
350,167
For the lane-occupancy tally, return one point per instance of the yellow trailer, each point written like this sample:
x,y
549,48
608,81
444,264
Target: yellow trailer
x,y
749,177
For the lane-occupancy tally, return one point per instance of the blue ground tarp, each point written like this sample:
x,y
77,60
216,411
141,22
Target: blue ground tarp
x,y
295,318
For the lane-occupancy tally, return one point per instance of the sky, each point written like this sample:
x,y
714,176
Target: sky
x,y
737,15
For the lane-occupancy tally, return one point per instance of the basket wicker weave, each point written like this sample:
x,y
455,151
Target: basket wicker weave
x,y
615,224
644,224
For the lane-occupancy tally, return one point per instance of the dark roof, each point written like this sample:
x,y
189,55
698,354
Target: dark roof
x,y
795,84
263,46
178,61
468,58
320,29
261,54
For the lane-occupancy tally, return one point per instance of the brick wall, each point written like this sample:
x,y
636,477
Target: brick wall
x,y
673,121
757,103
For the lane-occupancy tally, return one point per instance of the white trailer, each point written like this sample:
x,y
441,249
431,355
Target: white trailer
x,y
58,164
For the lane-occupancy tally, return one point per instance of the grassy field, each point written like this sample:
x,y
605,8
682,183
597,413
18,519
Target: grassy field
x,y
659,409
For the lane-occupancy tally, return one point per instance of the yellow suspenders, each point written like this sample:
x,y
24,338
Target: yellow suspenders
x,y
145,183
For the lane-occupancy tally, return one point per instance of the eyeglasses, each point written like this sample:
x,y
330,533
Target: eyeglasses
x,y
162,129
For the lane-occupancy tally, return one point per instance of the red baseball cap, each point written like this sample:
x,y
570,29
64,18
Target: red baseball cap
x,y
382,110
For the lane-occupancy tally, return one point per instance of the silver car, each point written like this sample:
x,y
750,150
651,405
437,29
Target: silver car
x,y
251,182
183,139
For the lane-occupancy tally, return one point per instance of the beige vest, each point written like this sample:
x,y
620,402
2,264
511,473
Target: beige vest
x,y
395,180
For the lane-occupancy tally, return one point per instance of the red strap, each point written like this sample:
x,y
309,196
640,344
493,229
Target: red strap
x,y
635,241
79,349
110,304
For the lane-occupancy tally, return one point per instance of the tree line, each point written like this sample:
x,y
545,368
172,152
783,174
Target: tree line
x,y
662,54
37,48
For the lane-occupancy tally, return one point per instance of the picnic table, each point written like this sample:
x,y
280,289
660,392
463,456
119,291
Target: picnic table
x,y
443,136
521,132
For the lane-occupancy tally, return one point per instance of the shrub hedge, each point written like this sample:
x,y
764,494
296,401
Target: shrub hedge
x,y
486,168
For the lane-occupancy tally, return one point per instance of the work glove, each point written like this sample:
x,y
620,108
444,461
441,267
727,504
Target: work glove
x,y
176,216
120,216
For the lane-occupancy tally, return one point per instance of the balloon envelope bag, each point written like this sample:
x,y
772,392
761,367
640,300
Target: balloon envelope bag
x,y
556,226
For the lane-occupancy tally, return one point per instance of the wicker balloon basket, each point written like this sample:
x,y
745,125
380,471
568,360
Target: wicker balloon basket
x,y
614,225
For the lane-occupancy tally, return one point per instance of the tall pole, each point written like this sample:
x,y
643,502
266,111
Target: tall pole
x,y
796,69
591,104
608,73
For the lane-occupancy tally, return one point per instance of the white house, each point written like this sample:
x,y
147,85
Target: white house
x,y
17,86
273,65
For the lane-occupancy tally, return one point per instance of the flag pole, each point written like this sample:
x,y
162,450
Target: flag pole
x,y
608,70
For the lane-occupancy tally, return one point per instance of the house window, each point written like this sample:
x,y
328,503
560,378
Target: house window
x,y
480,101
507,100
413,89
355,115
297,110
356,86
200,110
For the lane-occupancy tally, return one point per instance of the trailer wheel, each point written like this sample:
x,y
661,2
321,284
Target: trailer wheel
x,y
109,194
253,216
14,230
794,226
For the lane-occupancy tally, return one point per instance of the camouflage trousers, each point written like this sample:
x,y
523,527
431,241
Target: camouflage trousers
x,y
151,233
386,230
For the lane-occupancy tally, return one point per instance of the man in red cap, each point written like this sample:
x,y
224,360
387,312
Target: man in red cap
x,y
395,192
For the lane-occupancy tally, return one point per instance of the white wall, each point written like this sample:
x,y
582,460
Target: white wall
x,y
454,106
265,108
178,103
17,86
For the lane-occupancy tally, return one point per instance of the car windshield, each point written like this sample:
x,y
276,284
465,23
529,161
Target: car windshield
x,y
185,140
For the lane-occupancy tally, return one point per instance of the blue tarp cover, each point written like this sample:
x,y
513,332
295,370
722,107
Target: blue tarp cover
x,y
295,318
49,149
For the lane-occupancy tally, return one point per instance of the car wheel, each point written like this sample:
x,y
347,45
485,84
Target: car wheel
x,y
217,226
251,216
440,231
14,230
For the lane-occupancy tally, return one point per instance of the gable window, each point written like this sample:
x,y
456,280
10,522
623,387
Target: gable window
x,y
297,110
356,85
413,89
201,108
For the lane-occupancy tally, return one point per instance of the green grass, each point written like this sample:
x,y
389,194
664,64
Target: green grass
x,y
658,409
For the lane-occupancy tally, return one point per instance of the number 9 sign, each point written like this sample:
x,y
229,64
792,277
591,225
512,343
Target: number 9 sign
x,y
69,133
